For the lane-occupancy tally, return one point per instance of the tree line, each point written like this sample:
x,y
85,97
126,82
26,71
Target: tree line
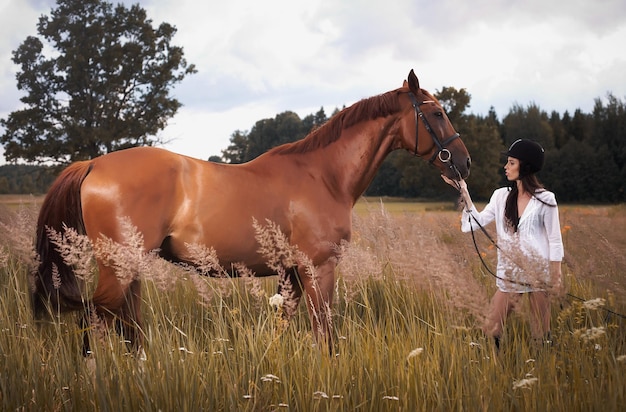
x,y
585,152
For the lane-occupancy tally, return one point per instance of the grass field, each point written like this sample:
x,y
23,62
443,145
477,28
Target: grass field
x,y
409,300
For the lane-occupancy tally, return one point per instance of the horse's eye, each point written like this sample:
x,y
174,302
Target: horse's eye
x,y
439,114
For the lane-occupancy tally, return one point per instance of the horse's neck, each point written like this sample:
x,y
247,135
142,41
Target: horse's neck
x,y
354,159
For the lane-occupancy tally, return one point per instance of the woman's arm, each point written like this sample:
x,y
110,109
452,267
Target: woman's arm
x,y
471,217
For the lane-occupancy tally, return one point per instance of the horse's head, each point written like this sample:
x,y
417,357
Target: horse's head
x,y
429,133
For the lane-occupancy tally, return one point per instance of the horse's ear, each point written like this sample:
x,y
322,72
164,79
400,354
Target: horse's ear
x,y
414,83
405,84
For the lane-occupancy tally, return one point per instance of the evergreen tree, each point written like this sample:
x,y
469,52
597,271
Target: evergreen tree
x,y
482,139
531,123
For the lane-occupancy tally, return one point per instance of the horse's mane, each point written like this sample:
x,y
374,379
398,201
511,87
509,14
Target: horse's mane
x,y
367,109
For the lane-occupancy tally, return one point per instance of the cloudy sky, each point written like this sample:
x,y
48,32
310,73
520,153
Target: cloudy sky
x,y
256,59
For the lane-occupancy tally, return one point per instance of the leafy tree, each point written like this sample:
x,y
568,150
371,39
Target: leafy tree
x,y
237,149
268,133
455,103
216,159
103,85
286,127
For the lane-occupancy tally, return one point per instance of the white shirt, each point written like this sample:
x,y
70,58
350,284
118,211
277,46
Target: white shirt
x,y
523,256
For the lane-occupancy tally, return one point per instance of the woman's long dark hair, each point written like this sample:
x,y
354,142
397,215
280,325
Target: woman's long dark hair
x,y
531,184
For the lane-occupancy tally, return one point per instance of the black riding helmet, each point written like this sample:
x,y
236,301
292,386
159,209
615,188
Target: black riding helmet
x,y
530,153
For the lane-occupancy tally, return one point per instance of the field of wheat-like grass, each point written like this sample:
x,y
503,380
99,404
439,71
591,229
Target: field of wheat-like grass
x,y
409,300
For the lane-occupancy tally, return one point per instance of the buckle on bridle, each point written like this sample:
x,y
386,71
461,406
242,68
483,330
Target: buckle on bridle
x,y
444,155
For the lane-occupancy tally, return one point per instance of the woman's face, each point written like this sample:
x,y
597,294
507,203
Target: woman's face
x,y
511,169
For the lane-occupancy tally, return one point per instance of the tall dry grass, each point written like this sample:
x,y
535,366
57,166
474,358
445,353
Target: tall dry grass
x,y
409,299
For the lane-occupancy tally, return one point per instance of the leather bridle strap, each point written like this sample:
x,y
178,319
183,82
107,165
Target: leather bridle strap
x,y
442,152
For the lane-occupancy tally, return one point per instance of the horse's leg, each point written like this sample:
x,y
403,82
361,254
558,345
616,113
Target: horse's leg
x,y
130,322
319,290
114,303
85,325
94,323
132,326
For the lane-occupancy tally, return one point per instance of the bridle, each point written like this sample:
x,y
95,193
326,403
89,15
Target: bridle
x,y
442,152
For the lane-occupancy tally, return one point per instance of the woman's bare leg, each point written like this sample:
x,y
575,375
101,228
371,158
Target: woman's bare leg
x,y
539,315
501,305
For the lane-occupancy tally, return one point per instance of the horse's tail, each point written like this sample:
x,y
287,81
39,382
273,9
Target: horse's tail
x,y
55,282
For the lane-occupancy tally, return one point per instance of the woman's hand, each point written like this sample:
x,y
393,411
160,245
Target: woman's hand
x,y
461,186
556,280
458,185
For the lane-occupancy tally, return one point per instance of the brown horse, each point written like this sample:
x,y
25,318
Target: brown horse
x,y
307,188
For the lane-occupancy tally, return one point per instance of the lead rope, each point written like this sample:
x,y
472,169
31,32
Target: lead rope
x,y
471,216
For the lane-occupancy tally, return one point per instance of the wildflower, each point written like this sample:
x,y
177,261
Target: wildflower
x,y
590,334
319,395
277,301
621,358
391,398
594,304
415,352
524,383
270,378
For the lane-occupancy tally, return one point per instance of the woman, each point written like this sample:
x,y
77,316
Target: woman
x,y
530,248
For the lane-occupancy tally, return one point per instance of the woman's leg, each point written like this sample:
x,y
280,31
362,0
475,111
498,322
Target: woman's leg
x,y
539,315
501,305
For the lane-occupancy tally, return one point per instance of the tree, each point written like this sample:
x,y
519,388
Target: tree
x,y
609,128
286,127
236,150
268,133
454,102
484,144
531,123
105,86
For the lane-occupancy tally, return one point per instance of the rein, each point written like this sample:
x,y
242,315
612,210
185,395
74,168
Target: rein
x,y
442,152
482,228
